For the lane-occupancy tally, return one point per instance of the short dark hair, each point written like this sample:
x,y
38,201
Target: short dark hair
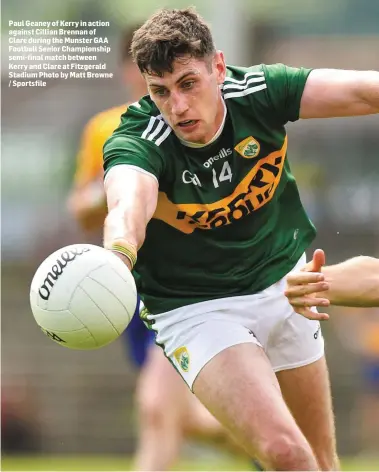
x,y
169,35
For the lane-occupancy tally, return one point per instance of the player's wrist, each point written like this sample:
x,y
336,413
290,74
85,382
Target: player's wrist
x,y
124,259
126,251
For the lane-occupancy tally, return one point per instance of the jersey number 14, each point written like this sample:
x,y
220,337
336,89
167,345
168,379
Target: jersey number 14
x,y
225,174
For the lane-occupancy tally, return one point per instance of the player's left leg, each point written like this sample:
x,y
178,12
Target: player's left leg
x,y
306,391
295,347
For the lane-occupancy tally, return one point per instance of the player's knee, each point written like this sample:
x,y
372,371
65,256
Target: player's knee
x,y
286,452
150,409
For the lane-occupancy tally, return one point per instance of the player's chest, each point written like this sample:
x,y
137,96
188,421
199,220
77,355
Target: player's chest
x,y
239,160
223,183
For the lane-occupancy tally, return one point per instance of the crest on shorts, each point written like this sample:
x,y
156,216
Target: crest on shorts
x,y
248,148
182,357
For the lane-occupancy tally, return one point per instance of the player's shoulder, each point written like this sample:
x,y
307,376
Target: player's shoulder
x,y
244,84
265,88
251,74
138,139
142,121
245,81
234,73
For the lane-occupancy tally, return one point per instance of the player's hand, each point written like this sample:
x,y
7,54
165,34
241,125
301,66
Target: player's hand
x,y
307,288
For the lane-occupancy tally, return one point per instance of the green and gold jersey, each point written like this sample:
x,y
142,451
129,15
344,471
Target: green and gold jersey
x,y
229,219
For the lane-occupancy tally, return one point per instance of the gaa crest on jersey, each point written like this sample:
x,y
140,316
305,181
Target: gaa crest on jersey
x,y
182,357
248,148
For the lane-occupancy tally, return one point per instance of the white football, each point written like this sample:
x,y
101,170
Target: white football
x,y
83,296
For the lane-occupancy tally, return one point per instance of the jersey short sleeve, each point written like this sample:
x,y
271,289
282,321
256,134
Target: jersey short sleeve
x,y
136,143
285,86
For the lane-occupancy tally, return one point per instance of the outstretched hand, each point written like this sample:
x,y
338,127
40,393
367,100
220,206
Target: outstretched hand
x,y
305,287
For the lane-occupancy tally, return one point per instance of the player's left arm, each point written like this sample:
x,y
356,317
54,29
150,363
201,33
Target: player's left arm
x,y
332,93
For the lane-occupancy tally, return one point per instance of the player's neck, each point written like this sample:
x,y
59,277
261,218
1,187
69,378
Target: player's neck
x,y
219,126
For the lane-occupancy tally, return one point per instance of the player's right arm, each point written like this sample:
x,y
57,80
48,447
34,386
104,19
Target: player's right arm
x,y
133,166
132,199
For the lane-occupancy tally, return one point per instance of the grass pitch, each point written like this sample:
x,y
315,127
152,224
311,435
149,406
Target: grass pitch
x,y
122,463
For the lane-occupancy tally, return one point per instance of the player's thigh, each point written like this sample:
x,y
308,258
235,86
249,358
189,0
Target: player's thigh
x,y
197,420
162,391
239,387
307,393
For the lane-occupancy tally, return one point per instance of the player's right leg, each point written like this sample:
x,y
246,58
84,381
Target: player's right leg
x,y
168,413
239,388
225,365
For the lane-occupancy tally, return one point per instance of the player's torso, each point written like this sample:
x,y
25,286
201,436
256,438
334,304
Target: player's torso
x,y
220,227
229,220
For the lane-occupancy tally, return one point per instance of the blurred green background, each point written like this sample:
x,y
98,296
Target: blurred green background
x,y
60,407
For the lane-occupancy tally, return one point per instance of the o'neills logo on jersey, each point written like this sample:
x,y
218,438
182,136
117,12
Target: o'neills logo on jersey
x,y
223,153
253,192
248,148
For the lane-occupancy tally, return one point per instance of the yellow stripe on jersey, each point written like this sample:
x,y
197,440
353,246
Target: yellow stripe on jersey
x,y
255,190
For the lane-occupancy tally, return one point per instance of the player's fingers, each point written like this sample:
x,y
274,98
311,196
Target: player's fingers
x,y
306,289
318,260
312,315
298,278
308,301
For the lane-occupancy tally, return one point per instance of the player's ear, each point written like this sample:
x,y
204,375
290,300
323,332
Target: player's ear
x,y
219,67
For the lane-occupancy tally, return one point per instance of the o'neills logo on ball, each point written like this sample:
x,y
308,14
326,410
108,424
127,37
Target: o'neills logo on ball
x,y
57,269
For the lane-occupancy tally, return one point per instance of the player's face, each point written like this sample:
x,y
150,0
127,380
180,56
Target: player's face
x,y
189,98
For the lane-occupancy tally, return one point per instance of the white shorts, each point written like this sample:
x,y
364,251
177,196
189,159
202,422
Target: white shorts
x,y
192,335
